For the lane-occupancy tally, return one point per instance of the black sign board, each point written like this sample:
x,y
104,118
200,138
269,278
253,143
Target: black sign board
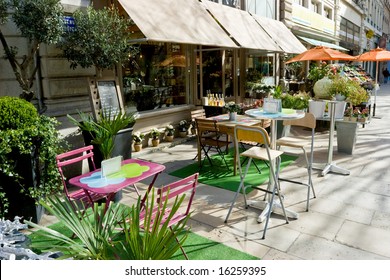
x,y
106,97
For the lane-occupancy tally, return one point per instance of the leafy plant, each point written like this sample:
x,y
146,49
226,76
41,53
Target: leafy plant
x,y
99,39
24,132
297,101
138,137
232,107
98,236
183,125
169,130
154,133
40,21
103,131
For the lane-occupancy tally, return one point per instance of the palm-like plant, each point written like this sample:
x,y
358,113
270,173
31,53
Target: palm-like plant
x,y
104,131
98,236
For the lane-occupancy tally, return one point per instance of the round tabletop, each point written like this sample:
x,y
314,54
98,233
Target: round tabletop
x,y
284,115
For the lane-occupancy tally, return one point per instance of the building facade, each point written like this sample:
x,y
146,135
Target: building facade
x,y
184,55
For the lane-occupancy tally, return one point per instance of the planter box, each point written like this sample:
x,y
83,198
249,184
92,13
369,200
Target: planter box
x,y
20,204
122,145
346,136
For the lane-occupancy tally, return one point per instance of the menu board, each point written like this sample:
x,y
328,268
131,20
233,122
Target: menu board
x,y
109,100
106,98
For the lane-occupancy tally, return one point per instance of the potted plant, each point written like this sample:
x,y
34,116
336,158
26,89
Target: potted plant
x,y
111,135
39,22
233,109
155,135
100,39
347,114
137,140
364,115
97,237
183,127
29,143
169,133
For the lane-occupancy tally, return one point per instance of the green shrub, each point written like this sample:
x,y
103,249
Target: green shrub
x,y
24,132
16,113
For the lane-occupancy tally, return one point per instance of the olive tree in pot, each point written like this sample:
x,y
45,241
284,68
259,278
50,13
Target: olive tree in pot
x,y
29,143
99,39
40,21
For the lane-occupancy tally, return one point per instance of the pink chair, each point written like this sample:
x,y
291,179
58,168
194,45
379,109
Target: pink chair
x,y
71,158
169,193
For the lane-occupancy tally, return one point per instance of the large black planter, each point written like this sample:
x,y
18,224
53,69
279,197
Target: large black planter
x,y
21,204
122,145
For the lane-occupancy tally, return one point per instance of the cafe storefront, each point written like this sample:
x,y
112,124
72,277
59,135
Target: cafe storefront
x,y
186,50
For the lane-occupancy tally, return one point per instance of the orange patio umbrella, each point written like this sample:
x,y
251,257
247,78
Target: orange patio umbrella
x,y
376,55
321,53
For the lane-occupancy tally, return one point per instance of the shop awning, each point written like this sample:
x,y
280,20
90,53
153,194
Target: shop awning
x,y
184,21
281,35
242,27
314,42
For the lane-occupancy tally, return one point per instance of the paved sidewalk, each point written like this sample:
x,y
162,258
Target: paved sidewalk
x,y
349,219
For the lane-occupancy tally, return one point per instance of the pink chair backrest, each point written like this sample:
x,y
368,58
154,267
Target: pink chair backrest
x,y
71,157
179,187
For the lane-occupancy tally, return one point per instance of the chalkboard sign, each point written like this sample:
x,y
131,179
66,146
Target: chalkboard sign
x,y
105,97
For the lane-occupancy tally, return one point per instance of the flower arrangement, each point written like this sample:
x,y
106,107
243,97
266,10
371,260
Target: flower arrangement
x,y
183,125
155,133
348,112
355,113
138,137
169,130
232,107
365,112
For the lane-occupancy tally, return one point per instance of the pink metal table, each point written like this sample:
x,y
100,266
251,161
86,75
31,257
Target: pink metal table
x,y
132,172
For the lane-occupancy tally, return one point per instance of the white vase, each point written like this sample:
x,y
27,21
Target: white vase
x,y
317,108
232,116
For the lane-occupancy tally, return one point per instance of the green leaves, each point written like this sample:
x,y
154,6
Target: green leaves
x,y
115,233
103,131
100,39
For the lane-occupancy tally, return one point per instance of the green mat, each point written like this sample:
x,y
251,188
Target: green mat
x,y
219,176
196,247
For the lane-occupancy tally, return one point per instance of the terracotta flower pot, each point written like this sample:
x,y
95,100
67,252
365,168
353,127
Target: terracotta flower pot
x,y
169,138
137,147
155,142
183,134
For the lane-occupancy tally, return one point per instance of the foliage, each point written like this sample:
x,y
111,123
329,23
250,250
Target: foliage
x,y
346,87
30,134
16,113
104,130
184,125
258,89
317,72
358,94
169,130
278,92
232,107
297,101
99,39
40,21
154,133
98,237
348,112
138,137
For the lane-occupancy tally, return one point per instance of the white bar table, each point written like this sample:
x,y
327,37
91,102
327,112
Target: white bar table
x,y
284,115
330,166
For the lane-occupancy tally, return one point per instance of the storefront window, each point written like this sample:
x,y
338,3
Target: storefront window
x,y
154,77
259,75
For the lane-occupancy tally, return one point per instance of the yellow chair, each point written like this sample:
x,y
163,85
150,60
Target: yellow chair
x,y
301,142
262,152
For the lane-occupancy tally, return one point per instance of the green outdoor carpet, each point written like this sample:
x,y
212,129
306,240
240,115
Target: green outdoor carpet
x,y
219,176
195,246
